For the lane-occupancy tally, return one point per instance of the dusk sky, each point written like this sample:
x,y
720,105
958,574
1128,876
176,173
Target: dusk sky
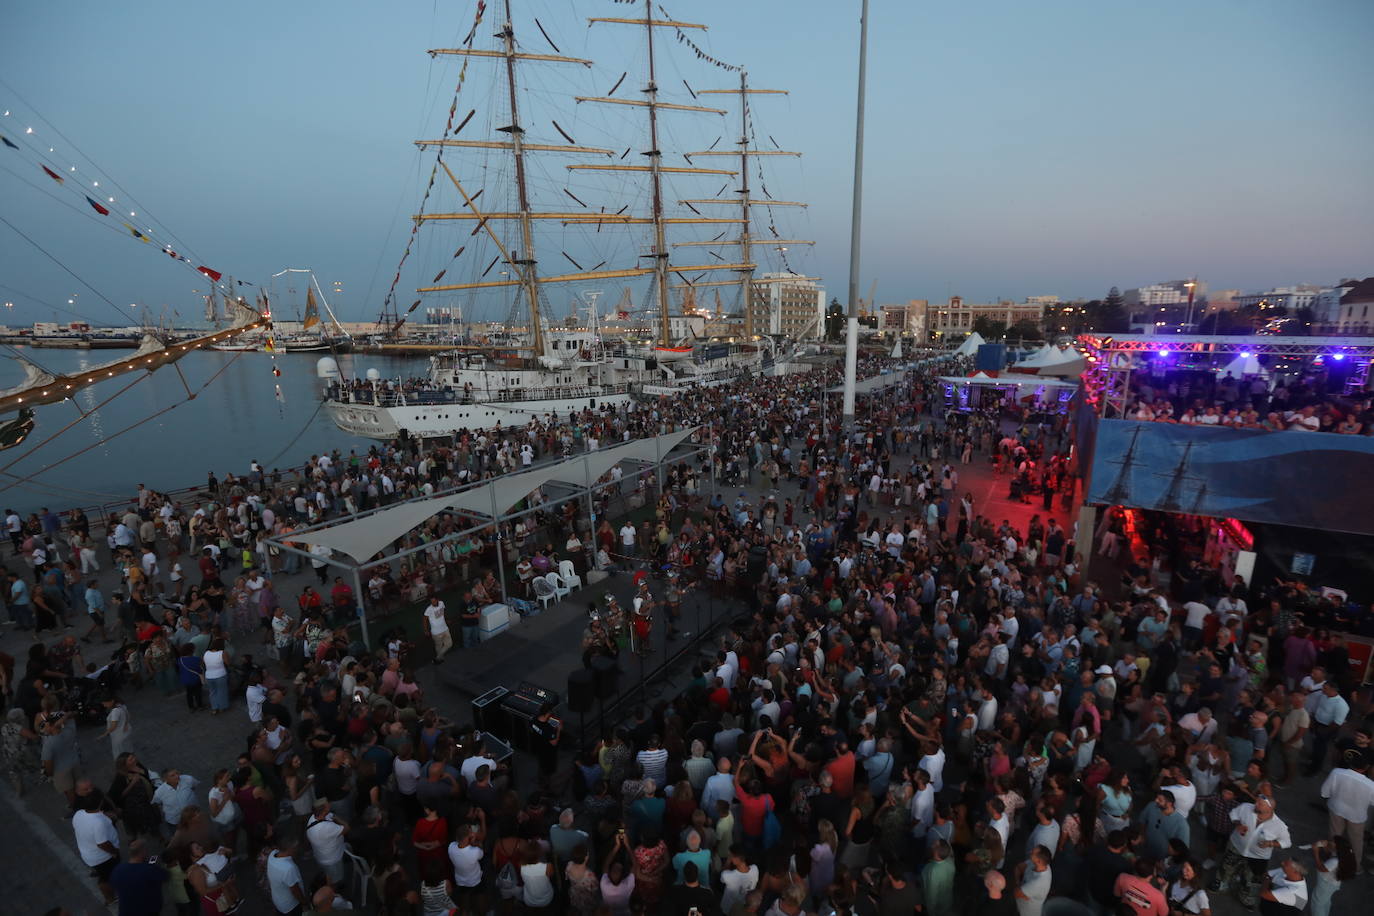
x,y
1014,149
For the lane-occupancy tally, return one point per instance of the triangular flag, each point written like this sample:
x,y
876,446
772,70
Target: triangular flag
x,y
169,252
8,142
269,346
138,235
53,175
98,207
212,274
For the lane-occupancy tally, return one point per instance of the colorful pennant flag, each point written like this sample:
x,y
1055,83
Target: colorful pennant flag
x,y
98,207
53,175
268,346
8,142
167,250
212,274
138,235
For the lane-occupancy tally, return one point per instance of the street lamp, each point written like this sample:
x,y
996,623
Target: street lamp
x,y
1190,285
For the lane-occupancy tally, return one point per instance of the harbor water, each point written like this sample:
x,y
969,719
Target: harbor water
x,y
236,419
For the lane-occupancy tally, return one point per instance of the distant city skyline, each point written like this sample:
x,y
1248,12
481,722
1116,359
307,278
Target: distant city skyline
x,y
1013,150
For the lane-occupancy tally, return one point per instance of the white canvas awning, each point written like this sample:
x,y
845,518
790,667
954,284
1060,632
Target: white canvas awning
x,y
872,383
1022,383
364,537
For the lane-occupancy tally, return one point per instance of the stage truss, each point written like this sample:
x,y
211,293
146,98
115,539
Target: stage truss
x,y
1111,358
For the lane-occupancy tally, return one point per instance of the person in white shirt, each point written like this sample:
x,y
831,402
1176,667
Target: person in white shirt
x,y
1286,886
922,806
437,620
176,792
254,696
738,878
465,854
1328,715
627,539
1200,725
934,763
98,842
1349,793
326,836
284,877
1195,617
1256,833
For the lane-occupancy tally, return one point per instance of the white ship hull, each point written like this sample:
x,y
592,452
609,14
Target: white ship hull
x,y
430,420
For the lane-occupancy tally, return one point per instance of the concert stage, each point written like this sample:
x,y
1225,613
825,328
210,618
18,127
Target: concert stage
x,y
546,648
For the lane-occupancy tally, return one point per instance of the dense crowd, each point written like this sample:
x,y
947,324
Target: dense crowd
x,y
919,707
1309,404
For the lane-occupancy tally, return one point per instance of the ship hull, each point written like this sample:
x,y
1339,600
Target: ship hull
x,y
430,420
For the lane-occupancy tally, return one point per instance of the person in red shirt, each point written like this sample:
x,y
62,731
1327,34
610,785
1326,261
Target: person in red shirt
x,y
342,598
841,769
1140,892
719,696
209,569
309,600
754,805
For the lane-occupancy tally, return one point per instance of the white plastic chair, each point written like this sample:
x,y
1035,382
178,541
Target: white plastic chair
x,y
544,592
362,873
568,573
560,589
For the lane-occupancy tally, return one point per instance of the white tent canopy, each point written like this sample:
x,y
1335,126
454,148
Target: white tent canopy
x,y
970,345
1059,361
1036,358
362,538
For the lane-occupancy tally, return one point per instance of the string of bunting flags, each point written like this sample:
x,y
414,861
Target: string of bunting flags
x,y
99,200
438,162
104,204
696,49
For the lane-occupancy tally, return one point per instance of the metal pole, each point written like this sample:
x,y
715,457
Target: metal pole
x,y
362,608
500,547
851,340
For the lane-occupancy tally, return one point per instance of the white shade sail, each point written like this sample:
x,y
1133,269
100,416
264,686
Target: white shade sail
x,y
364,537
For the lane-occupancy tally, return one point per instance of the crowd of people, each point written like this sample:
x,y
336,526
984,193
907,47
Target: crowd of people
x,y
1305,405
919,707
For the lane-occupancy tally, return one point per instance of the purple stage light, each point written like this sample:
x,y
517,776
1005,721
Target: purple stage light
x,y
1245,354
1338,356
1163,352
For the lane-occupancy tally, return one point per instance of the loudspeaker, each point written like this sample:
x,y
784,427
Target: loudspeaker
x,y
486,711
606,675
581,690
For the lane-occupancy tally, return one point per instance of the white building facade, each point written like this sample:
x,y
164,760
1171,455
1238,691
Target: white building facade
x,y
788,305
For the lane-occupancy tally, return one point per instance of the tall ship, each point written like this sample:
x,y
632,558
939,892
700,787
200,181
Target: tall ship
x,y
503,241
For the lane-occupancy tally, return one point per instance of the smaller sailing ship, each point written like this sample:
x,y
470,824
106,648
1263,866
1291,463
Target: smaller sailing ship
x,y
319,341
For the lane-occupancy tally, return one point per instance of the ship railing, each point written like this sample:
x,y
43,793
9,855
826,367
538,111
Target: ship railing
x,y
381,397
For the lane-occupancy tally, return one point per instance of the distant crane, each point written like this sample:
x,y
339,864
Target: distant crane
x,y
866,305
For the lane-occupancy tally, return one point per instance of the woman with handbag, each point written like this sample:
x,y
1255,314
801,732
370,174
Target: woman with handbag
x,y
1186,894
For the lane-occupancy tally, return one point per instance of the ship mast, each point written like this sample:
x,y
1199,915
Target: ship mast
x,y
660,252
661,268
524,258
746,154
